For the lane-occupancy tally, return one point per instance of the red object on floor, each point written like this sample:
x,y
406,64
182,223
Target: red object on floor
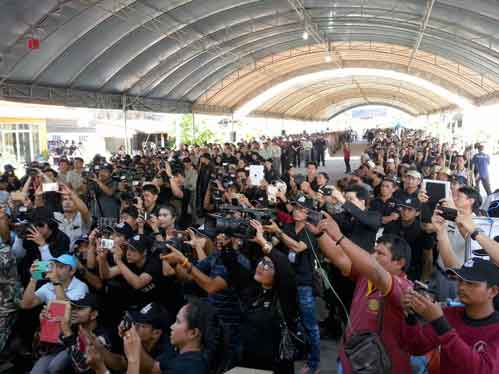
x,y
33,43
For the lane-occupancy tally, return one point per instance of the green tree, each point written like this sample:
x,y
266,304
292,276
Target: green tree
x,y
204,135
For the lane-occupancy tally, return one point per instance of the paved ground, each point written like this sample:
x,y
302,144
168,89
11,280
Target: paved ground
x,y
335,167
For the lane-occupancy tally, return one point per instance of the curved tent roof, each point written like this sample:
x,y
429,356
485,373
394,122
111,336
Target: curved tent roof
x,y
217,54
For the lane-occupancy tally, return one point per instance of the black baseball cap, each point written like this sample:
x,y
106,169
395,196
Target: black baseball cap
x,y
89,301
151,314
303,202
108,167
139,243
81,239
132,211
477,270
124,229
410,202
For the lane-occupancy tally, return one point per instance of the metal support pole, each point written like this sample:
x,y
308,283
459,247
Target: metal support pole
x,y
178,132
127,143
193,128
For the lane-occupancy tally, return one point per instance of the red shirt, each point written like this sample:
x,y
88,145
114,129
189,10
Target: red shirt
x,y
364,313
471,347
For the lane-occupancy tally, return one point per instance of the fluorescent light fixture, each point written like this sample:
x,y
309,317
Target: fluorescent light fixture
x,y
308,79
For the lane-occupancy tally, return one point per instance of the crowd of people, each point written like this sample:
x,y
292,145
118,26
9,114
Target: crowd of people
x,y
211,257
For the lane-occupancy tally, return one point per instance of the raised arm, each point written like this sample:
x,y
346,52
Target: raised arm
x,y
364,263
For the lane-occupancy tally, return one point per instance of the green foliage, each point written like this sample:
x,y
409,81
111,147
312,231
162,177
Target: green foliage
x,y
45,154
202,135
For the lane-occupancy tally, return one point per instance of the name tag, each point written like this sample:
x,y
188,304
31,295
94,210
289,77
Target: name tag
x,y
292,257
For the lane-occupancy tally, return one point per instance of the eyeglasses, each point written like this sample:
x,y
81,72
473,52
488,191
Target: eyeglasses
x,y
267,265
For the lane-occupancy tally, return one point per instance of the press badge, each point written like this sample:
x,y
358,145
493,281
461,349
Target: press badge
x,y
292,257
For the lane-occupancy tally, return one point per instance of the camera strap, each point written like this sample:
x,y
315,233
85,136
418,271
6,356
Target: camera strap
x,y
325,278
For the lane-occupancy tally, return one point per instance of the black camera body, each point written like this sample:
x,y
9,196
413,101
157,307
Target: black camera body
x,y
448,214
238,227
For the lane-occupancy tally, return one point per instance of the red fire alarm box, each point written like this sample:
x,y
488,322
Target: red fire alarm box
x,y
33,43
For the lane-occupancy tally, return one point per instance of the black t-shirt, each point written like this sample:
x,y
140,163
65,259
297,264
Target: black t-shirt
x,y
417,239
385,208
150,292
302,262
186,363
229,159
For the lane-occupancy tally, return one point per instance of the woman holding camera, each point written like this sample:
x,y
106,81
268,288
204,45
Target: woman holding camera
x,y
269,300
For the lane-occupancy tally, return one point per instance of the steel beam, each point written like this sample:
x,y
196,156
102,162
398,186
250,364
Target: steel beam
x,y
86,99
422,30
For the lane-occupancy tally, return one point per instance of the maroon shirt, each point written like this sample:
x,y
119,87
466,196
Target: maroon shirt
x,y
364,315
470,347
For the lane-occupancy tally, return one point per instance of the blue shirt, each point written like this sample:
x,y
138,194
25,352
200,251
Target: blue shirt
x,y
481,163
227,301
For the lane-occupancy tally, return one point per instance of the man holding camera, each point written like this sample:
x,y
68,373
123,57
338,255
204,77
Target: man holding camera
x,y
451,242
151,324
467,338
105,203
138,270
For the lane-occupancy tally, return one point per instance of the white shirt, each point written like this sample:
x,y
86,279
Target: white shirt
x,y
74,228
76,290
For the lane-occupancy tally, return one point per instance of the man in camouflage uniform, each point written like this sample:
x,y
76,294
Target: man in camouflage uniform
x,y
10,293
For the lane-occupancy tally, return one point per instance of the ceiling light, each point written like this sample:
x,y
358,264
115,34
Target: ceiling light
x,y
328,58
305,35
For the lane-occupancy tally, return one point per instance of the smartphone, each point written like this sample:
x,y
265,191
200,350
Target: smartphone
x,y
107,243
127,322
50,187
42,267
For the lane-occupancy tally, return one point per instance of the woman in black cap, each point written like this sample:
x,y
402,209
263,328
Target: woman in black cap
x,y
269,300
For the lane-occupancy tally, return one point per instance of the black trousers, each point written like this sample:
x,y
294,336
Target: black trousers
x,y
348,169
